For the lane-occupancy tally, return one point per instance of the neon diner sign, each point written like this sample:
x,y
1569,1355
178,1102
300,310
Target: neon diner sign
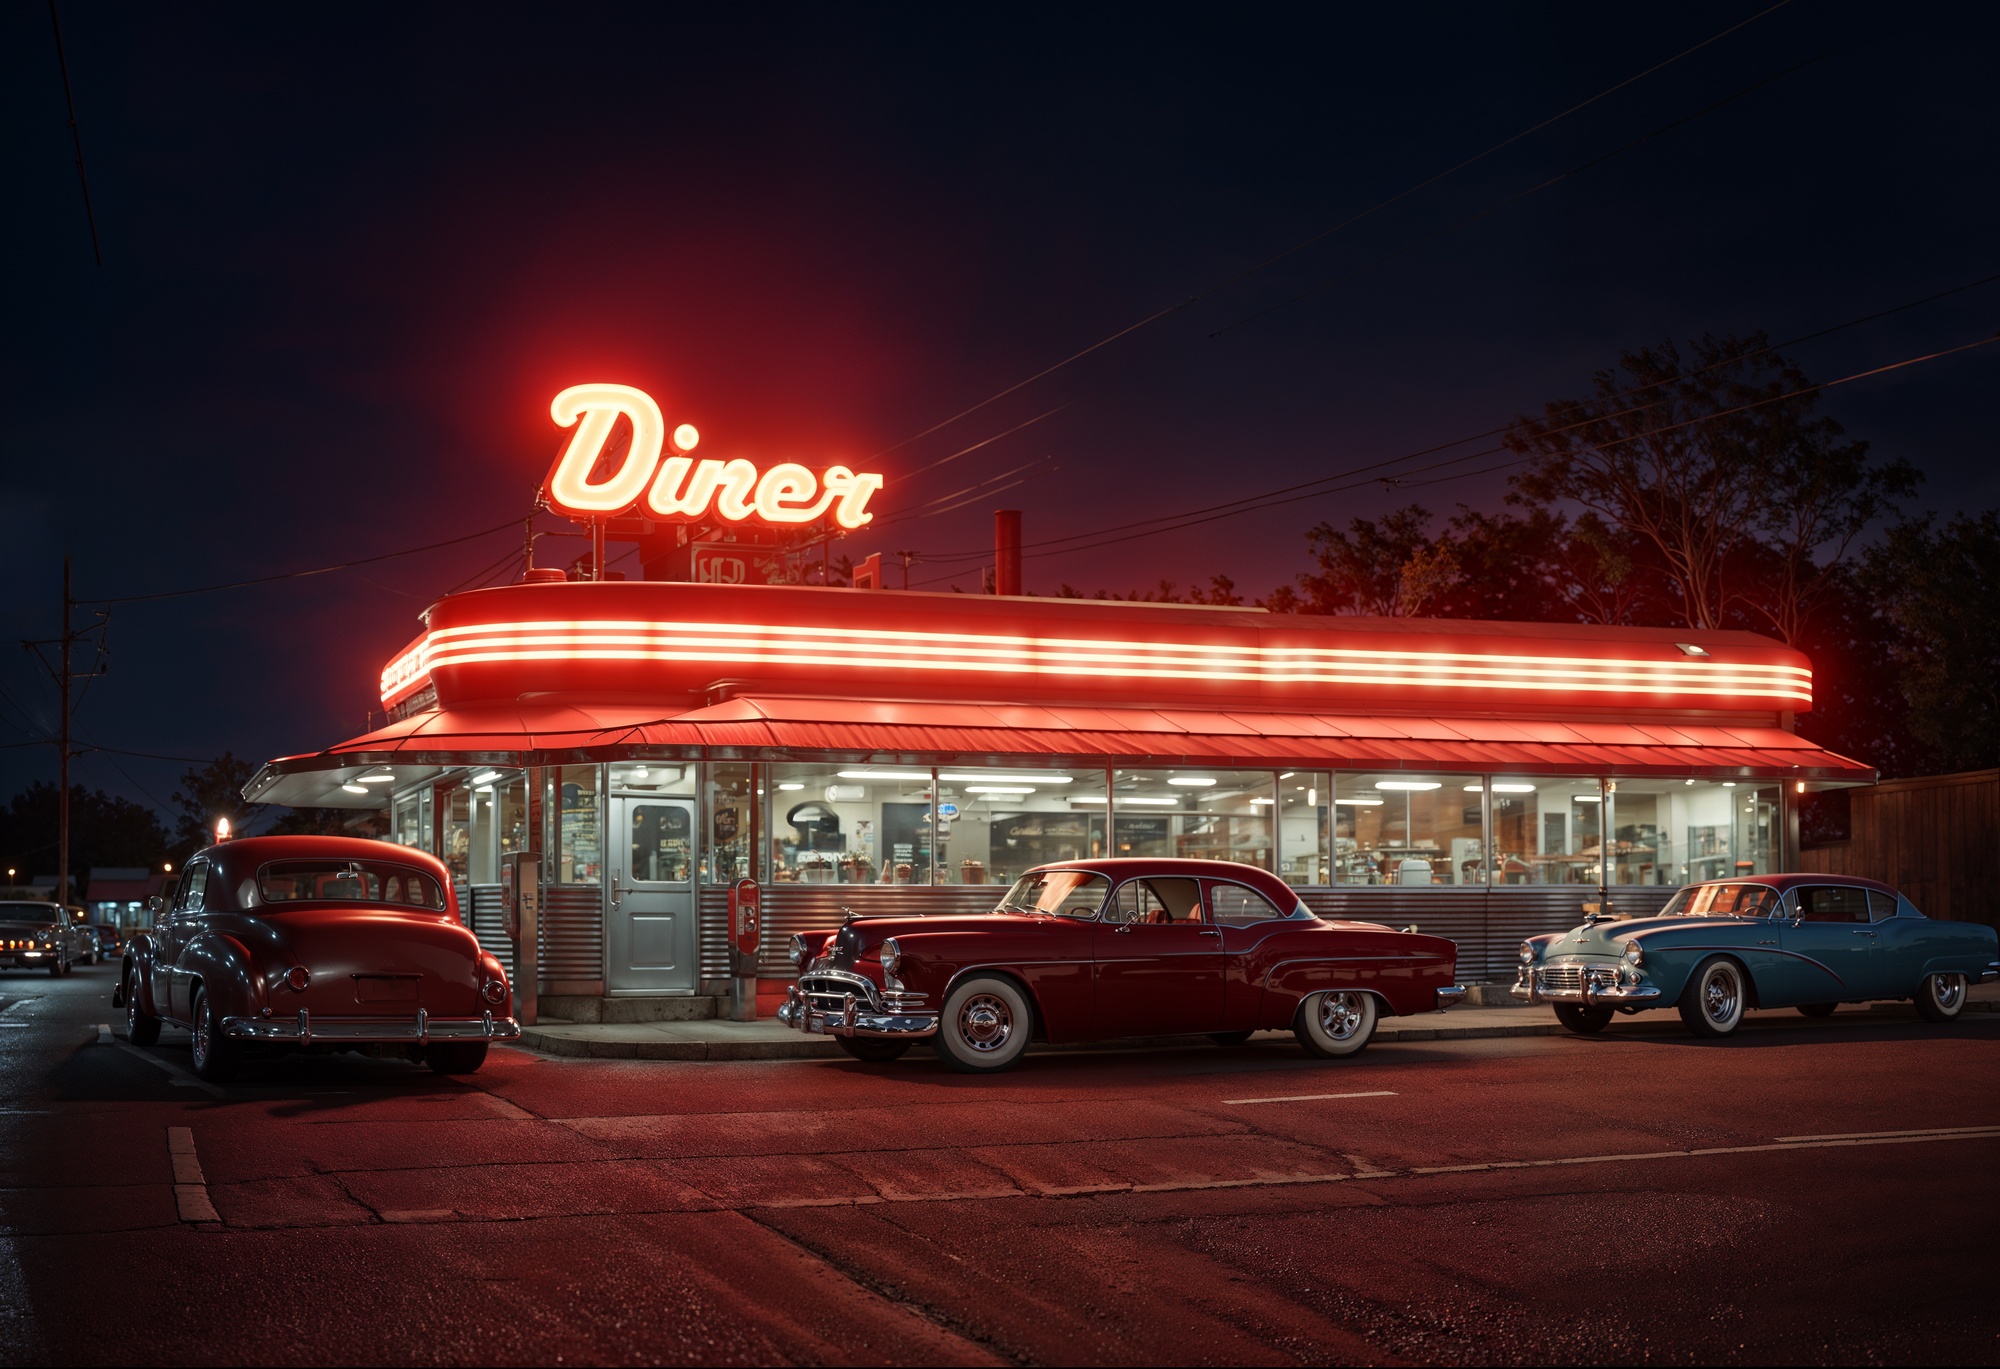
x,y
675,487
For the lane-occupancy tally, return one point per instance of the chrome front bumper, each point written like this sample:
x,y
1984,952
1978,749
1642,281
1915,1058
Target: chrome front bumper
x,y
1451,998
421,1030
1595,987
853,1018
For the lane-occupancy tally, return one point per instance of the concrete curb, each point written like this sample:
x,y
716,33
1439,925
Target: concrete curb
x,y
569,1043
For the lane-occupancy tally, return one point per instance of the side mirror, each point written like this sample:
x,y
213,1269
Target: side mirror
x,y
154,904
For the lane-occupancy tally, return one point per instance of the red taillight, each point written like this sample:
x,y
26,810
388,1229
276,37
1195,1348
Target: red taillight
x,y
298,978
495,991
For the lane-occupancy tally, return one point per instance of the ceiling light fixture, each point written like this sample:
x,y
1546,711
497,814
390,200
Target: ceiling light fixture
x,y
1411,786
1190,781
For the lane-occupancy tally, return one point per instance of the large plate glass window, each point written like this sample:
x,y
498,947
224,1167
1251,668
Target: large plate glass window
x,y
993,823
1197,814
729,807
1305,805
576,816
1408,829
845,823
1685,831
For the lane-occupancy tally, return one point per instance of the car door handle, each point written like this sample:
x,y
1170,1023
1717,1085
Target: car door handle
x,y
1210,931
1859,932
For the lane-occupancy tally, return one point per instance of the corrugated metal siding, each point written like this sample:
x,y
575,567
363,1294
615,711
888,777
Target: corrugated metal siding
x,y
1488,925
489,924
790,908
572,933
712,927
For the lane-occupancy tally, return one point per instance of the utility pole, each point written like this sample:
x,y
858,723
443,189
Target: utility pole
x,y
65,676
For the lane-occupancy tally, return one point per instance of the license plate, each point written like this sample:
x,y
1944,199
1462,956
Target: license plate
x,y
816,1022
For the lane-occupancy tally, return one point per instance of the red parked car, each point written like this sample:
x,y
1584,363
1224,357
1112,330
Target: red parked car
x,y
320,943
1095,949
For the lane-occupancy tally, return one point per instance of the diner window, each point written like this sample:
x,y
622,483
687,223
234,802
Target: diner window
x,y
653,777
1407,829
456,804
482,866
729,805
835,823
411,828
1545,829
1195,814
662,844
1667,831
576,814
510,810
1305,804
995,822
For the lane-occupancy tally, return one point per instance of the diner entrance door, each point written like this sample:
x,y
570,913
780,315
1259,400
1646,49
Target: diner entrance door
x,y
650,931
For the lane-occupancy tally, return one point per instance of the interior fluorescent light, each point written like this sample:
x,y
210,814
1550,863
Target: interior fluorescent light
x,y
1151,803
1190,781
376,779
486,778
1586,798
355,788
1361,803
1020,776
999,789
790,785
884,774
1513,788
1416,786
1265,802
1288,774
1729,784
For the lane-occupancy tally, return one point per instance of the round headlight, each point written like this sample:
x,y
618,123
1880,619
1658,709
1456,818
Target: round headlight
x,y
797,952
1527,952
1634,953
892,956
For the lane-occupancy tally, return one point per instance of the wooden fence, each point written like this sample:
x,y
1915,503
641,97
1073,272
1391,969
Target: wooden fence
x,y
1935,837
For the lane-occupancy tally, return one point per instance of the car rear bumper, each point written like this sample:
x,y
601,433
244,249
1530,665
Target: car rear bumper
x,y
853,1018
1450,998
421,1030
21,960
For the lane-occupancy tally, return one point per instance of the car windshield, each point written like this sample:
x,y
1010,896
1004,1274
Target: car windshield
x,y
1723,900
43,914
348,881
1065,893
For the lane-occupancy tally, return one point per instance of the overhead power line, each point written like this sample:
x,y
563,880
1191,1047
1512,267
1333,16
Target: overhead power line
x,y
1195,518
1326,233
75,137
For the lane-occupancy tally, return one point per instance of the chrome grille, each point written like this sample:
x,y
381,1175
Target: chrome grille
x,y
1562,977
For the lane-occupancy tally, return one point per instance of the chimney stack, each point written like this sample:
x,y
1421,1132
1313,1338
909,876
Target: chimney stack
x,y
1007,551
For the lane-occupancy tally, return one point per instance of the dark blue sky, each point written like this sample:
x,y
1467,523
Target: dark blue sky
x,y
351,252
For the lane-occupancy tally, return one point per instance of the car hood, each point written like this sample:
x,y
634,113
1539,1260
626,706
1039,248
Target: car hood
x,y
1609,938
25,928
864,934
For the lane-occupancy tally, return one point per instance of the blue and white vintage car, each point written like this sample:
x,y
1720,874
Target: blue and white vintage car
x,y
1810,942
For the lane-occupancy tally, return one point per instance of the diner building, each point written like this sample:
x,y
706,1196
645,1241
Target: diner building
x,y
879,751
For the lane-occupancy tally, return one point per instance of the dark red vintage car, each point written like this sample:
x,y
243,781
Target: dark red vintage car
x,y
316,943
1095,949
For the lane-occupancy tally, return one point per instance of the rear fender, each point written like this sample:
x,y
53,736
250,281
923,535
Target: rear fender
x,y
224,970
135,975
1399,989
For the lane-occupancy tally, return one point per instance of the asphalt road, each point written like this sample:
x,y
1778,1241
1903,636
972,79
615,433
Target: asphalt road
x,y
1808,1193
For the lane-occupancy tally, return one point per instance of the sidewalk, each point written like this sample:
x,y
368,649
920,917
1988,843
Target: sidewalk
x,y
767,1040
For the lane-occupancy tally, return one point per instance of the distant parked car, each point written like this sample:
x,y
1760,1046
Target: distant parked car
x,y
110,940
1810,942
316,943
40,936
1092,949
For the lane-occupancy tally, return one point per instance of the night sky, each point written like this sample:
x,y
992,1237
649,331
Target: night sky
x,y
350,253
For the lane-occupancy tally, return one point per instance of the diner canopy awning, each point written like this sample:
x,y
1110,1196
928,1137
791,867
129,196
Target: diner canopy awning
x,y
789,728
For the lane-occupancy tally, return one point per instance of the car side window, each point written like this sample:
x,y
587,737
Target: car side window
x,y
1238,905
1160,901
192,889
1832,903
1881,906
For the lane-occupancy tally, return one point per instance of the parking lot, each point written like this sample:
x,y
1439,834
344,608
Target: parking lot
x,y
1804,1193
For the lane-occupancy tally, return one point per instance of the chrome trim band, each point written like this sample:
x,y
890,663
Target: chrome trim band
x,y
1450,998
797,1013
423,1029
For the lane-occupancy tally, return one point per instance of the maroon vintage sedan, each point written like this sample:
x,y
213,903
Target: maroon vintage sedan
x,y
322,943
1094,949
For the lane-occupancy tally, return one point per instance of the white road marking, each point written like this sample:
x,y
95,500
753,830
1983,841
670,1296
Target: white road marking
x,y
176,1076
1306,1098
1969,1134
190,1188
104,1037
1872,1135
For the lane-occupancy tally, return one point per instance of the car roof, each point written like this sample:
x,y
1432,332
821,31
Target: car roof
x,y
1796,878
1117,868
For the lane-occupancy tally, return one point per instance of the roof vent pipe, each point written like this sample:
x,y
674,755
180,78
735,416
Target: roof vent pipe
x,y
1007,551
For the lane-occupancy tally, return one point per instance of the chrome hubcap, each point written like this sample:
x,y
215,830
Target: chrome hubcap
x,y
1947,989
986,1023
201,1034
1719,994
1339,1014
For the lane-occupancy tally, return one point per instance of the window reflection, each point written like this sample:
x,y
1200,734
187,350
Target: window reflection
x,y
1196,814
